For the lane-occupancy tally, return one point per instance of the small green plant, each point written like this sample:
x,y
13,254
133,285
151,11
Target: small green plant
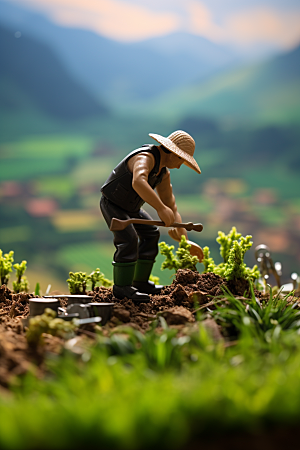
x,y
37,289
183,258
78,281
6,262
207,261
50,324
21,285
154,279
6,266
161,349
98,277
263,320
232,249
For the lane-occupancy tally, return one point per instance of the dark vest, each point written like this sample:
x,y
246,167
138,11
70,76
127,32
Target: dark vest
x,y
118,187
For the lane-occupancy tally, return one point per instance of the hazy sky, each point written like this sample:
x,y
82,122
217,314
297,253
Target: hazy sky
x,y
239,22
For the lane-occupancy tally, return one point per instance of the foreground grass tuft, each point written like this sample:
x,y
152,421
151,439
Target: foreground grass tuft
x,y
132,391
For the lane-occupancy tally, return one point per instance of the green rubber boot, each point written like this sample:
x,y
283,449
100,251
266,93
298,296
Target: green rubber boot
x,y
123,276
141,277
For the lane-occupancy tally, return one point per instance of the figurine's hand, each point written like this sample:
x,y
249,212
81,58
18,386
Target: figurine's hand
x,y
176,233
166,215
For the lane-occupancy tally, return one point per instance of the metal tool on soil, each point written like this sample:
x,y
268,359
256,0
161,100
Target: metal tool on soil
x,y
72,298
79,307
38,305
294,285
266,264
91,310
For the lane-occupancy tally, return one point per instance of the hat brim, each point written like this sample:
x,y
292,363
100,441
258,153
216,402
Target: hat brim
x,y
188,159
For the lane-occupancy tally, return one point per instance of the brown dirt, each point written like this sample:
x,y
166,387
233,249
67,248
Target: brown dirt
x,y
176,304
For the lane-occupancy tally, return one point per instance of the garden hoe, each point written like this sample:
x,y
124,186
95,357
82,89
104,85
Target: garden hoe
x,y
195,250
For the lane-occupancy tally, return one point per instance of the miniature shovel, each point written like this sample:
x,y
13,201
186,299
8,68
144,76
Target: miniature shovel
x,y
195,250
118,225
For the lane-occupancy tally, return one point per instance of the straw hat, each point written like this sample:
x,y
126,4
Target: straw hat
x,y
182,144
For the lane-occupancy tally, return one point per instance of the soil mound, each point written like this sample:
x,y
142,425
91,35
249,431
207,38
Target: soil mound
x,y
176,304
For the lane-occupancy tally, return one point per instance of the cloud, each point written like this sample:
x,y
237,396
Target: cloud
x,y
114,19
129,20
201,21
264,25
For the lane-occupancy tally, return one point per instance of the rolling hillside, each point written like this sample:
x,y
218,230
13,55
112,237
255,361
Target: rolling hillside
x,y
266,92
33,77
58,142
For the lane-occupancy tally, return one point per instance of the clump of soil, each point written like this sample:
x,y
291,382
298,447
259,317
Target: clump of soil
x,y
13,305
176,304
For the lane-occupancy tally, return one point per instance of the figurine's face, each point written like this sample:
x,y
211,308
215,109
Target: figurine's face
x,y
174,161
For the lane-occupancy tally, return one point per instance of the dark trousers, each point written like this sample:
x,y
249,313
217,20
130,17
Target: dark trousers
x,y
135,241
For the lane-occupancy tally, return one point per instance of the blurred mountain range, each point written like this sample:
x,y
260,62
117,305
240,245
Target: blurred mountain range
x,y
72,103
268,91
69,73
33,76
120,72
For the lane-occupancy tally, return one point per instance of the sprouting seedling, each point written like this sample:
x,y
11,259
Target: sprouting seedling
x,y
154,279
208,262
6,262
226,242
183,258
98,277
22,283
77,282
37,289
232,249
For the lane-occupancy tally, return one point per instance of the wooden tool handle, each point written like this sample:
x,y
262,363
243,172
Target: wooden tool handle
x,y
118,225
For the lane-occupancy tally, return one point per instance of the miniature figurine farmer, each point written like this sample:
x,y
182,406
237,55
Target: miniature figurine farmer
x,y
128,187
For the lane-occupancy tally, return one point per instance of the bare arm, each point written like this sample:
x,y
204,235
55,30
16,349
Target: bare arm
x,y
165,205
165,192
141,166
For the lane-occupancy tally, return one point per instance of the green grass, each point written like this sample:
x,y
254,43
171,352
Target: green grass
x,y
208,157
94,170
18,233
266,321
260,93
28,169
276,176
87,257
295,205
193,205
36,156
158,391
167,388
51,146
56,186
269,215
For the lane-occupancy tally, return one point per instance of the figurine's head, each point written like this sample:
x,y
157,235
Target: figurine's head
x,y
182,145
